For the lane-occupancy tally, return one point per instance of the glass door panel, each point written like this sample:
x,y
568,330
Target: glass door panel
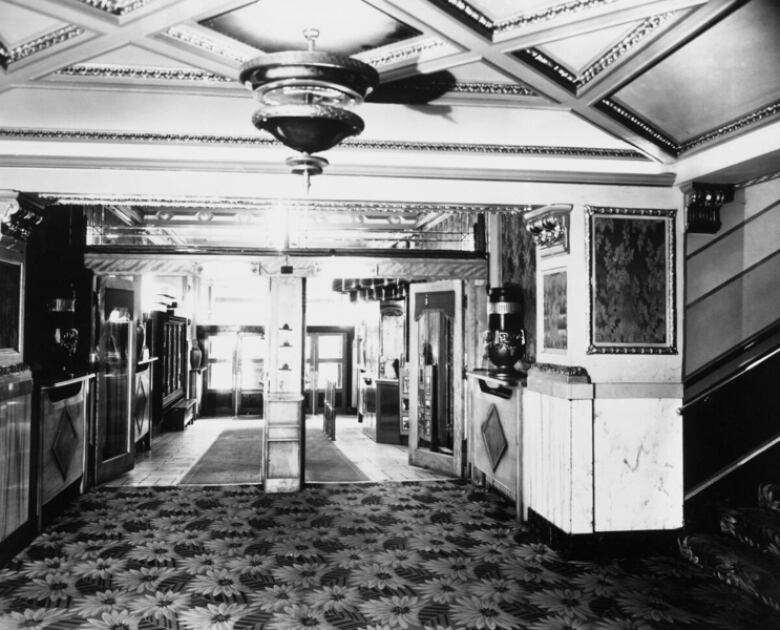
x,y
236,369
327,356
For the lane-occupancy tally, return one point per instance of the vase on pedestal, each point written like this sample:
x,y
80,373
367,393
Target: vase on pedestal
x,y
505,337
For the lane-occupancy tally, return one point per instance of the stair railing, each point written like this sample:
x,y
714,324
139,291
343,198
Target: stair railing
x,y
743,459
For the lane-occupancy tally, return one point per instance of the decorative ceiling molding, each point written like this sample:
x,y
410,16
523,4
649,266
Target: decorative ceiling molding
x,y
408,264
748,120
632,121
116,7
251,203
220,47
758,180
389,55
39,44
237,51
563,10
644,128
116,71
483,24
381,145
576,82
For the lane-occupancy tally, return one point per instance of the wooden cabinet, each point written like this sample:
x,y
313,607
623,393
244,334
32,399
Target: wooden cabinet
x,y
64,416
167,335
16,497
382,420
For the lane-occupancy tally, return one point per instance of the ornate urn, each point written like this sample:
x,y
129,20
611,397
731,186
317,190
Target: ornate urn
x,y
505,337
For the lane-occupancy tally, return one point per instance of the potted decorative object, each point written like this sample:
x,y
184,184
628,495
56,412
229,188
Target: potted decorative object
x,y
505,337
196,355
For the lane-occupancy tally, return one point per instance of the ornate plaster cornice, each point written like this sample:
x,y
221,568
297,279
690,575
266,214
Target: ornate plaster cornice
x,y
633,121
116,7
389,55
760,115
380,145
253,203
758,180
576,82
469,14
192,37
116,71
39,44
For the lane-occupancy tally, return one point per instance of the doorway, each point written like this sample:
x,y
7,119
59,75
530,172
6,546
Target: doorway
x,y
235,358
328,358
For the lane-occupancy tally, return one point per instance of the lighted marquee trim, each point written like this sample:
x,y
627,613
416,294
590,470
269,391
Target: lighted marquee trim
x,y
116,71
116,7
382,145
251,203
39,44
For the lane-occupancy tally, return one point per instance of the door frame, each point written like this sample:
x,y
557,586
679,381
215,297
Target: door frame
x,y
204,332
451,464
107,469
346,375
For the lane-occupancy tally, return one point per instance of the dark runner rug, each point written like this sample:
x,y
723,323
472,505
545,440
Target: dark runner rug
x,y
325,462
236,456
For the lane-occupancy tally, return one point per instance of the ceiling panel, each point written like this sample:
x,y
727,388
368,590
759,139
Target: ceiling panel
x,y
19,25
578,52
725,73
498,10
345,26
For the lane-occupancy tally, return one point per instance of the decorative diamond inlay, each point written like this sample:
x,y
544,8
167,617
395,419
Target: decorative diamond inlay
x,y
493,437
65,441
139,407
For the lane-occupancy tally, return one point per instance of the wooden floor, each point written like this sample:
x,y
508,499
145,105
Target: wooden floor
x,y
174,453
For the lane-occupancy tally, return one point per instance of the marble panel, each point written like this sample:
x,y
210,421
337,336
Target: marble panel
x,y
637,470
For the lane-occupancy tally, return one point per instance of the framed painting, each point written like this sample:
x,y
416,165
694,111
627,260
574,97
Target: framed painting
x,y
631,264
555,337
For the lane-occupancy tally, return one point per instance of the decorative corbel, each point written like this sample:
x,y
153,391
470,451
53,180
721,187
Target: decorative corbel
x,y
549,227
703,209
17,221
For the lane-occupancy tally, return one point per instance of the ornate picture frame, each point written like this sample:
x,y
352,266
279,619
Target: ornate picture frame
x,y
631,273
554,311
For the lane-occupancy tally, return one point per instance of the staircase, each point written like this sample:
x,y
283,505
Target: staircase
x,y
747,552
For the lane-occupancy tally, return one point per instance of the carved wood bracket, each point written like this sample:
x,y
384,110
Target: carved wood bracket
x,y
703,209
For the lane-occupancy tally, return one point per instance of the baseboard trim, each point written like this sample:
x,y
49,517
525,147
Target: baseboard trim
x,y
604,545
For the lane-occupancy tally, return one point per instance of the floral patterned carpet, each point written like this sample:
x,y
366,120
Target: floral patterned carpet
x,y
424,555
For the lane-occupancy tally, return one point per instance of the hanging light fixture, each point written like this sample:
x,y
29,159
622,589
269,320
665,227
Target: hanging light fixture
x,y
304,97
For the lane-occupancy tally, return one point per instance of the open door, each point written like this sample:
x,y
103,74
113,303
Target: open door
x,y
436,376
328,359
113,448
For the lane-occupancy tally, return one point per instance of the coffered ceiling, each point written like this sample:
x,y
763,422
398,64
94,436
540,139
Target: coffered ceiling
x,y
140,97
